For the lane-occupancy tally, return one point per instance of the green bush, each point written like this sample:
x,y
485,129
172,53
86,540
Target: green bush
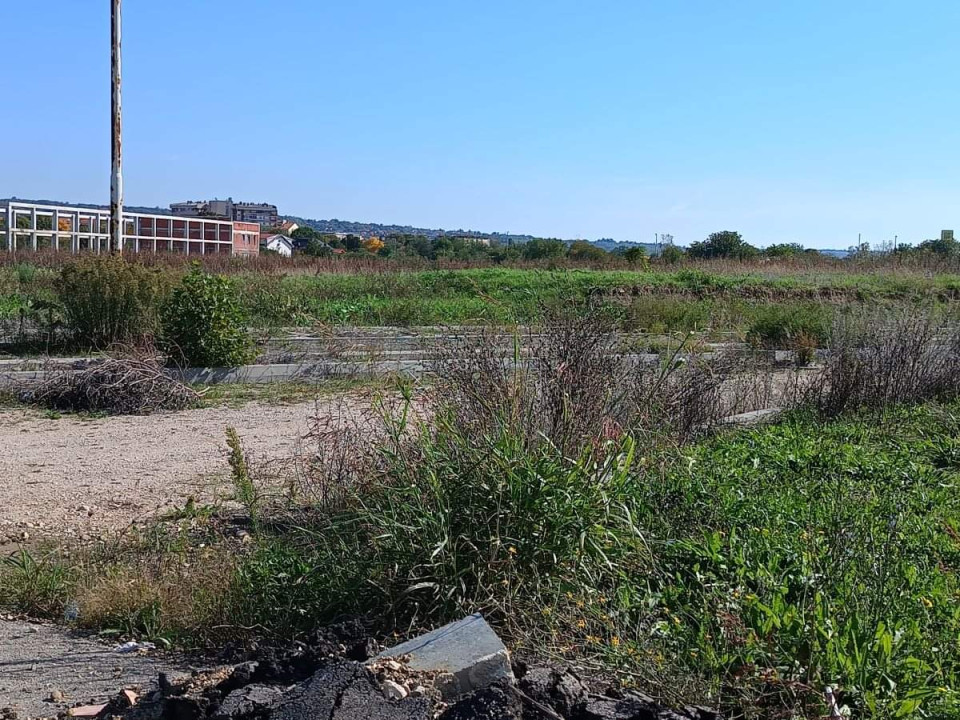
x,y
466,525
108,300
204,324
790,326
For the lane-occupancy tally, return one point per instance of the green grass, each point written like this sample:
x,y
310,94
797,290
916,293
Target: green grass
x,y
281,393
759,567
685,299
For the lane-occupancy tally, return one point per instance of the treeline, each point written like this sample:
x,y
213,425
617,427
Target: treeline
x,y
314,243
725,245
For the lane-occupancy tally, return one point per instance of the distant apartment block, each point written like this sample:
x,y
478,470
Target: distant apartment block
x,y
256,212
31,227
262,213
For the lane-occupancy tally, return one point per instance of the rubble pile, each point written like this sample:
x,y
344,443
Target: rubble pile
x,y
455,673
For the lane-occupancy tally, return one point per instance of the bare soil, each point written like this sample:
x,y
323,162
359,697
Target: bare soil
x,y
45,669
74,477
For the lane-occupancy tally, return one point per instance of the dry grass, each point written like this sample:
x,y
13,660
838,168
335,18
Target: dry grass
x,y
573,388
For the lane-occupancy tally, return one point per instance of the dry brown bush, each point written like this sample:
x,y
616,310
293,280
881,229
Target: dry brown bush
x,y
131,382
880,358
571,386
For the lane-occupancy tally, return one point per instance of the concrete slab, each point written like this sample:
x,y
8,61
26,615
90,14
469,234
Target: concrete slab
x,y
469,650
755,417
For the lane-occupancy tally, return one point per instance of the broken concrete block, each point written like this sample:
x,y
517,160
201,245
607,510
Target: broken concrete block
x,y
468,651
755,417
393,690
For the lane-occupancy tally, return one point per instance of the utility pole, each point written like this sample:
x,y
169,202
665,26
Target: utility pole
x,y
116,132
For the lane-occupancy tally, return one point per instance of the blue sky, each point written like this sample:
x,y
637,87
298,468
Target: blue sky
x,y
788,121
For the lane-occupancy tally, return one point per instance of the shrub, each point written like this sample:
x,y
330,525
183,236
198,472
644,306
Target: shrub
x,y
879,359
204,323
25,273
637,255
671,254
792,327
107,299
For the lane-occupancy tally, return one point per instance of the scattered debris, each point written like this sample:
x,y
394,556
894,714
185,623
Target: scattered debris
x,y
393,690
86,711
317,679
135,647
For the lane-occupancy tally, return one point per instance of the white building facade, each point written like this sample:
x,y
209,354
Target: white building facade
x,y
33,227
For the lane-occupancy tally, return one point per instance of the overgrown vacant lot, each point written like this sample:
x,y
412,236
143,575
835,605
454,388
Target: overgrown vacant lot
x,y
749,570
597,510
597,513
708,297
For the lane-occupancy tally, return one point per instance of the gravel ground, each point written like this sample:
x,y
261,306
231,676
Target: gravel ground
x,y
73,477
38,660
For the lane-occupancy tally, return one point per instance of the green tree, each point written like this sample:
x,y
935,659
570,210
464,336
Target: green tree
x,y
945,246
543,249
671,254
305,233
781,250
636,255
316,247
585,251
723,244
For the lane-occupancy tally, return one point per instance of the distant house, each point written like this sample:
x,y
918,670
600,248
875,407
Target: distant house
x,y
303,244
279,244
287,227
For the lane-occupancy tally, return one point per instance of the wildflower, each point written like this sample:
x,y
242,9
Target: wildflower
x,y
593,639
512,550
615,641
676,620
926,602
581,624
546,611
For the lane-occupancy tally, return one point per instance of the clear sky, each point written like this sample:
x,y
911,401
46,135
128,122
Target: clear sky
x,y
803,121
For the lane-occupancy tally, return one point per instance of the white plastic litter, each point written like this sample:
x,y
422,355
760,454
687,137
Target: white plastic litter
x,y
134,646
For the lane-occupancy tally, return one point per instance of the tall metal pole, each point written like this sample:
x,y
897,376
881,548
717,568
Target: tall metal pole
x,y
116,131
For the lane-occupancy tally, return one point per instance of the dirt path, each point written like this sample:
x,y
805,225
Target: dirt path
x,y
80,478
41,663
